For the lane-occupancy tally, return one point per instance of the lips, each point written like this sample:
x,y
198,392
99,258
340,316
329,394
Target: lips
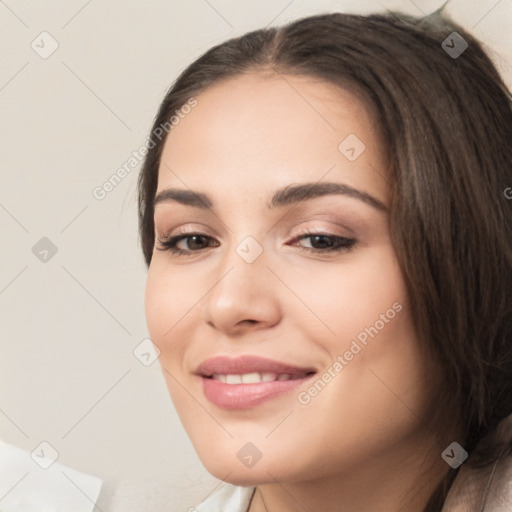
x,y
247,364
246,381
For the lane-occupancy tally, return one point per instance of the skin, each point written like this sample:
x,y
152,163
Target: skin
x,y
364,441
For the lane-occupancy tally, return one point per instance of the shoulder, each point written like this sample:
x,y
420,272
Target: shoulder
x,y
487,488
229,498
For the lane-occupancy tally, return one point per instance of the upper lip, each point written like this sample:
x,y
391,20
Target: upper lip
x,y
240,365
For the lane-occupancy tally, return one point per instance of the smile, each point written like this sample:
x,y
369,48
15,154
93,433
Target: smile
x,y
253,378
247,381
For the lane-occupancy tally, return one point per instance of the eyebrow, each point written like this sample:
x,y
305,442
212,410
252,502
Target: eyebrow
x,y
289,195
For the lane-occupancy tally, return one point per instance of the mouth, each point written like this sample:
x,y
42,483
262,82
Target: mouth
x,y
254,377
247,381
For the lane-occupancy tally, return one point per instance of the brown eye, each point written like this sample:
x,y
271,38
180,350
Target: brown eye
x,y
320,242
192,242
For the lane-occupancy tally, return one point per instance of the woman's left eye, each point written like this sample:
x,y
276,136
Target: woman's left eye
x,y
195,242
320,242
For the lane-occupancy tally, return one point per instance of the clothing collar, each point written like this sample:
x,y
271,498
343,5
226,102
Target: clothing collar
x,y
487,489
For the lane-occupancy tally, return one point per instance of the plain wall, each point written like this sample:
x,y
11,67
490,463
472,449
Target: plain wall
x,y
69,325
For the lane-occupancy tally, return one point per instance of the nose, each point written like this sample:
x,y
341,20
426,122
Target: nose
x,y
243,297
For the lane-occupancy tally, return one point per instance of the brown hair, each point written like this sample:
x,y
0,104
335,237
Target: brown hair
x,y
447,125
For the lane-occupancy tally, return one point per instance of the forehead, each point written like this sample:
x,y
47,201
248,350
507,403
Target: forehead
x,y
264,131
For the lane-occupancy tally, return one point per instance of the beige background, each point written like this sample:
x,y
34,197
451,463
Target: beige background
x,y
67,123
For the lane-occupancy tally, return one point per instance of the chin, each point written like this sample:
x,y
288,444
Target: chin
x,y
240,463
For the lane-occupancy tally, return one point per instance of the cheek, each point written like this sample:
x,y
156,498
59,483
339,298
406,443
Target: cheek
x,y
384,382
352,297
167,302
371,333
377,338
166,305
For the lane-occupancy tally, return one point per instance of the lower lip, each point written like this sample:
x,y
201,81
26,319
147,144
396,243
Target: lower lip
x,y
245,396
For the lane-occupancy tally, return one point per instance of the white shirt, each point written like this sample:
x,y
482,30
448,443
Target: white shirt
x,y
35,482
229,498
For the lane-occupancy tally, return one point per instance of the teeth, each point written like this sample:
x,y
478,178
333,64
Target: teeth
x,y
253,378
233,379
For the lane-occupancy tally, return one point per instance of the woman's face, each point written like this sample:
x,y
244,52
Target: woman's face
x,y
284,326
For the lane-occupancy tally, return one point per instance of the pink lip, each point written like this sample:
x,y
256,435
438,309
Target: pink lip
x,y
245,396
247,364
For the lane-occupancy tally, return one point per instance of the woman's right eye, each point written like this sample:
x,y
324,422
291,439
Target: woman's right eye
x,y
195,242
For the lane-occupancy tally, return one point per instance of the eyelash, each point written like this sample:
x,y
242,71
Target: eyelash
x,y
344,244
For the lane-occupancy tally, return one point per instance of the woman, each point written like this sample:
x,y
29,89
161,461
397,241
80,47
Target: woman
x,y
323,211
